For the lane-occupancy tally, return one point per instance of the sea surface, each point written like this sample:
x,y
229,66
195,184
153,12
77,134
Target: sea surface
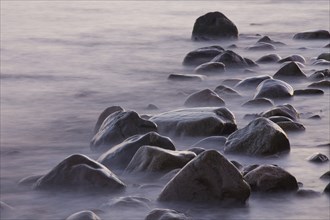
x,y
64,62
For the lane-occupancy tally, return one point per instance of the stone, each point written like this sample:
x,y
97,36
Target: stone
x,y
230,82
204,98
293,58
320,84
327,46
210,177
273,89
210,68
128,203
166,214
108,111
117,127
321,62
290,70
270,58
196,150
324,56
29,181
213,142
227,92
252,82
202,55
312,35
262,46
84,215
261,137
270,178
214,26
231,60
259,102
308,92
157,160
327,189
251,63
78,172
326,175
248,168
319,75
185,77
196,122
266,39
288,126
307,193
318,158
120,155
152,107
285,110
277,119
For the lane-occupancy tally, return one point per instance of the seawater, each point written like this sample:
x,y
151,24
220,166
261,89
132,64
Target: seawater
x,y
64,62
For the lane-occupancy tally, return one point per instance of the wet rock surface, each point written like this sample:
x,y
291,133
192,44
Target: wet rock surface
x,y
270,58
210,68
273,89
318,158
202,55
204,98
289,71
312,35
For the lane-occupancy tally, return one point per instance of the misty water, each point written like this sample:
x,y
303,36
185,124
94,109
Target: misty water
x,y
63,63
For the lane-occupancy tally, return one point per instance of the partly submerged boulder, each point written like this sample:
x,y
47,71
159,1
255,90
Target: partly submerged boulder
x,y
210,177
261,137
259,102
285,110
290,71
324,56
166,214
210,68
270,58
252,82
313,35
185,77
273,89
294,58
232,60
318,158
196,122
117,127
202,55
204,98
84,215
108,111
214,26
226,92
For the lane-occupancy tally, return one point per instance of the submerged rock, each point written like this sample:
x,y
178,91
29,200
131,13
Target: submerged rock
x,y
166,214
120,155
259,102
308,92
273,89
204,98
319,75
326,175
321,62
196,122
260,137
213,142
324,56
231,60
270,58
307,193
321,84
288,126
285,110
117,127
252,82
202,55
226,91
185,77
108,111
270,178
290,70
262,46
318,158
210,177
214,26
129,202
30,180
210,68
155,159
266,39
313,35
84,215
327,189
78,172
293,58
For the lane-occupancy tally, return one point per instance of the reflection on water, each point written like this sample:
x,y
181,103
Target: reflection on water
x,y
64,63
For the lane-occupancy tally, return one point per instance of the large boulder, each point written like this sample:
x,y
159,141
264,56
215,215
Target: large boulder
x,y
270,58
117,127
214,26
313,35
84,215
210,177
108,111
290,70
324,56
120,155
294,58
270,178
202,55
204,98
78,172
155,159
252,82
166,214
259,102
232,60
196,122
285,110
262,46
210,68
273,89
261,137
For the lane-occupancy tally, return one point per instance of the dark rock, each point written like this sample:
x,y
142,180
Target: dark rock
x,y
321,62
273,89
249,168
129,202
251,63
78,172
288,126
196,122
155,159
230,82
326,175
307,193
225,91
270,178
324,145
152,107
196,150
120,155
259,102
168,176
286,110
262,46
308,92
166,214
232,46
252,82
209,177
327,46
260,137
321,84
213,142
318,158
315,117
214,26
293,58
324,56
266,39
210,68
237,164
185,77
202,55
327,189
108,111
29,181
277,119
204,98
270,58
313,35
290,70
319,75
117,127
83,215
231,60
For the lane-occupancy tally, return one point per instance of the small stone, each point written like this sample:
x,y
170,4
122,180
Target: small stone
x,y
185,77
204,98
313,35
318,158
326,175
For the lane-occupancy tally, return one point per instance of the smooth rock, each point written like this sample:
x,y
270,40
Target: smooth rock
x,y
324,56
155,159
210,68
307,193
78,172
270,58
252,82
196,122
327,189
319,75
288,126
294,58
227,92
273,89
117,127
285,110
321,62
129,202
196,150
259,102
166,214
248,168
270,178
230,82
261,137
290,70
108,111
231,59
213,142
214,26
313,35
120,155
84,215
204,98
152,107
326,175
185,77
202,55
320,84
210,177
262,46
30,180
308,92
266,39
318,158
